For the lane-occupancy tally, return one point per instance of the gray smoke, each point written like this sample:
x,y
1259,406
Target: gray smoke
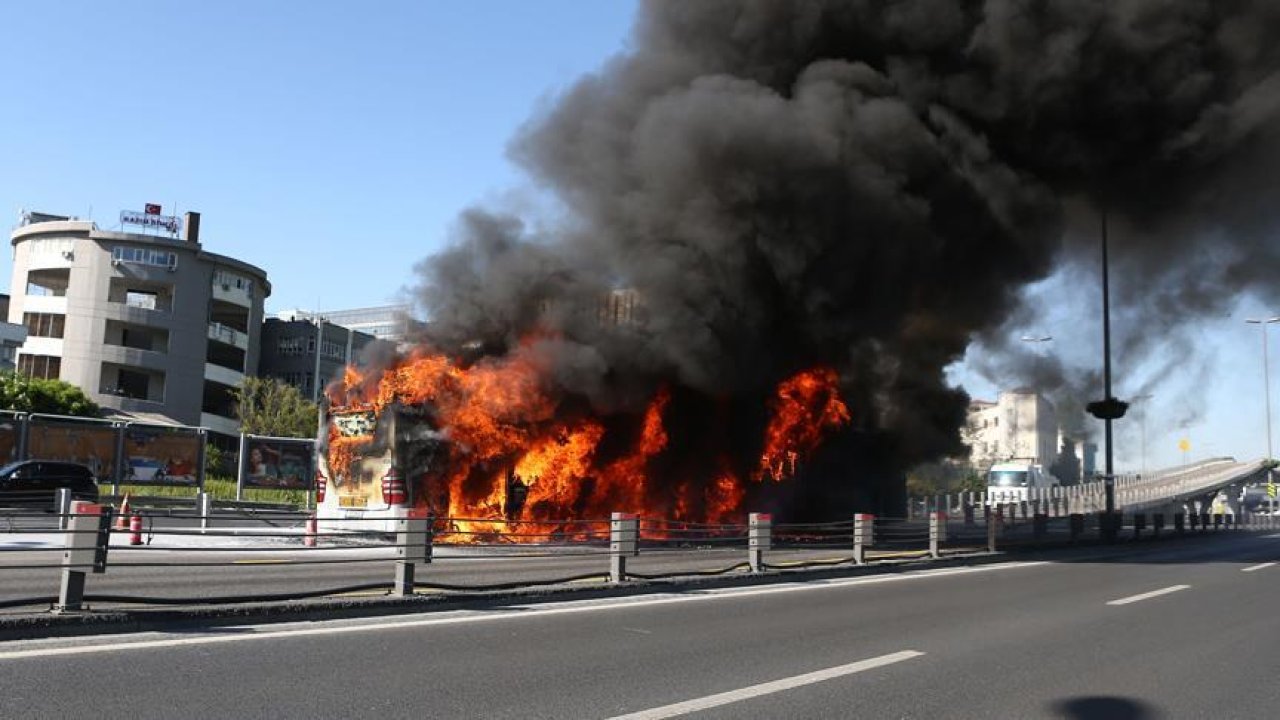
x,y
871,185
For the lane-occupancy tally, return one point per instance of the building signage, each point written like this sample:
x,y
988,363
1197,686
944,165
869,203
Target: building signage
x,y
170,223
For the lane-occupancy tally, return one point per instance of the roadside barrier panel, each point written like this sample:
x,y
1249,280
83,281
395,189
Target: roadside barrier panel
x,y
1039,526
1179,523
1076,524
1139,524
1157,524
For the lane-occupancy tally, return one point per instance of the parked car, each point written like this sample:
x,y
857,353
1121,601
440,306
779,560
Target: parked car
x,y
36,482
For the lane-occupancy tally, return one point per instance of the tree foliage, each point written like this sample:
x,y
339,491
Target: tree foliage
x,y
23,393
267,406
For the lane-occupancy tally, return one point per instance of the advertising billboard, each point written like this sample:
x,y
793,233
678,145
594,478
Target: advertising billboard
x,y
85,442
277,463
159,455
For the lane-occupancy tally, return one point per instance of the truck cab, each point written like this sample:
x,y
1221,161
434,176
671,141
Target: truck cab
x,y
1011,482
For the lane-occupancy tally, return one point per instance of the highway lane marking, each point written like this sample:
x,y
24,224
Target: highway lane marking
x,y
755,691
1255,568
250,632
1149,595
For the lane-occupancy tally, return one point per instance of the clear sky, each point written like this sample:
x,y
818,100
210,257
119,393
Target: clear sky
x,y
334,144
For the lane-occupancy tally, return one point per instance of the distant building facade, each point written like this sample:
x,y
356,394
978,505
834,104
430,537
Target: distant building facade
x,y
298,349
147,325
1019,425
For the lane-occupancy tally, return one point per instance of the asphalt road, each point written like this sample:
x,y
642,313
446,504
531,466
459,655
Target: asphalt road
x,y
1183,629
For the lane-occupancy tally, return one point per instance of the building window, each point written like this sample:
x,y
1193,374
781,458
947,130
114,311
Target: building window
x,y
44,324
48,283
145,256
229,280
48,367
333,350
289,346
140,299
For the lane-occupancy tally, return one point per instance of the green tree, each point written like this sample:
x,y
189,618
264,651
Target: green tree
x,y
23,393
267,406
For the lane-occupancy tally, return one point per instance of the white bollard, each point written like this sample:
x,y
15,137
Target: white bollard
x,y
413,546
863,536
937,532
759,539
84,548
624,534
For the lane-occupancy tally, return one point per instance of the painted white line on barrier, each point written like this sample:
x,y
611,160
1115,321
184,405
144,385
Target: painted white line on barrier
x,y
250,632
1255,568
754,691
1149,595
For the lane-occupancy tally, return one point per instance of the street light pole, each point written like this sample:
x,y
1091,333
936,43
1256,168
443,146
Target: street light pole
x,y
1109,408
1266,390
315,380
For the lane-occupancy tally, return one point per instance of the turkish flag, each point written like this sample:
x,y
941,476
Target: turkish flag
x,y
152,209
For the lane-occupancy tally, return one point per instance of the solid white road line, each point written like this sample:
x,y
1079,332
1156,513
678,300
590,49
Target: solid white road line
x,y
754,691
516,612
1255,568
1149,595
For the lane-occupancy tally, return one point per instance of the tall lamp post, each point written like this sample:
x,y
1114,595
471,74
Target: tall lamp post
x,y
1266,390
1109,407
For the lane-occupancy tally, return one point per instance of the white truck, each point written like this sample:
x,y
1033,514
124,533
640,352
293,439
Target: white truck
x,y
1013,481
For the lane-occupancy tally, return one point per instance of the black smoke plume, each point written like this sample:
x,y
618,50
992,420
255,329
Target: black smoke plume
x,y
871,186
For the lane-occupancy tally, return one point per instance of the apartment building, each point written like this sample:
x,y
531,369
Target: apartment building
x,y
149,325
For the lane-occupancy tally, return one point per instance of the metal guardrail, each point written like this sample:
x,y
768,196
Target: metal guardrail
x,y
620,549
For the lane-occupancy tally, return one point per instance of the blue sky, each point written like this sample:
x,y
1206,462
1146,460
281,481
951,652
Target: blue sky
x,y
334,144
330,143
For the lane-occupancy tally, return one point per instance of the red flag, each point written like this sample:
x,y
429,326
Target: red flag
x,y
152,209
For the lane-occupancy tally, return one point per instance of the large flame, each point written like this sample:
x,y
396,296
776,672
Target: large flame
x,y
509,433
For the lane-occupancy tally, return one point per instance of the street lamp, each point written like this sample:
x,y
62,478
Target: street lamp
x,y
1109,408
1266,390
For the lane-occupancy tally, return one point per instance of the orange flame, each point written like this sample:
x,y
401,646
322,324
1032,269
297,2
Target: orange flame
x,y
510,439
805,408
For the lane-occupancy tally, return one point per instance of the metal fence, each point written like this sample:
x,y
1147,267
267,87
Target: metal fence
x,y
97,558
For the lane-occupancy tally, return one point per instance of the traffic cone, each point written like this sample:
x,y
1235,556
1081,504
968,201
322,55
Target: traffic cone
x,y
135,529
122,516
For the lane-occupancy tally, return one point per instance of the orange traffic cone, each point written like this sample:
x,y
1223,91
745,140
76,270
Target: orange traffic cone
x,y
122,515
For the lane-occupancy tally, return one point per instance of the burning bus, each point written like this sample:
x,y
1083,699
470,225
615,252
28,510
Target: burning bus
x,y
373,466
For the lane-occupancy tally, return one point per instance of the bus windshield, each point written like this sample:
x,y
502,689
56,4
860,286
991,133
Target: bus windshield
x,y
1007,478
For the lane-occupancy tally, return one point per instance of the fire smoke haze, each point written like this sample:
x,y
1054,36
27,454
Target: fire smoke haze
x,y
870,187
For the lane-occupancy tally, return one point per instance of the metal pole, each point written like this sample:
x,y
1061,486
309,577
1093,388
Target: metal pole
x,y
1266,394
315,380
1106,372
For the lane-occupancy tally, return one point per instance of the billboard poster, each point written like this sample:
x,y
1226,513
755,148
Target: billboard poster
x,y
277,463
87,443
158,455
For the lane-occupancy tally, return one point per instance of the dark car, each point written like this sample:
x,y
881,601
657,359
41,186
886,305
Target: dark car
x,y
36,482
